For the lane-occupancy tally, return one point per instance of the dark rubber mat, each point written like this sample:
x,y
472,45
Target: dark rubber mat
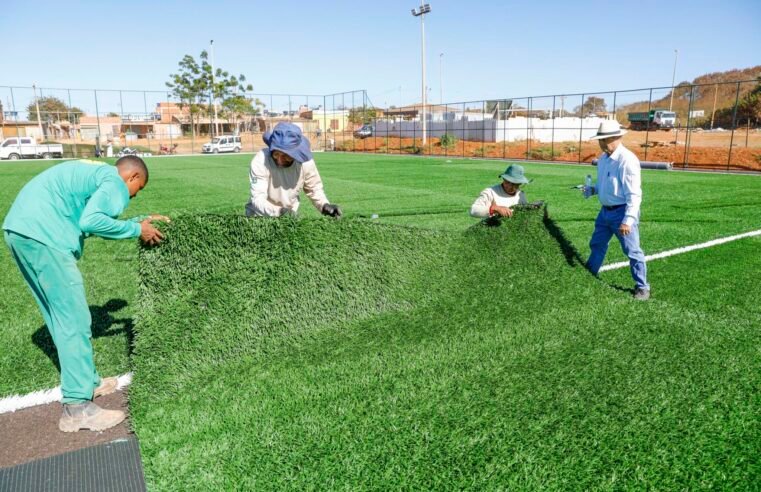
x,y
113,466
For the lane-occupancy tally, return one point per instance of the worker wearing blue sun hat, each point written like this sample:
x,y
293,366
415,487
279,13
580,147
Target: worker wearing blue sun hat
x,y
281,171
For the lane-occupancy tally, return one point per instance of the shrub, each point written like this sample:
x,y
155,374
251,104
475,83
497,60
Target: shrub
x,y
542,154
448,141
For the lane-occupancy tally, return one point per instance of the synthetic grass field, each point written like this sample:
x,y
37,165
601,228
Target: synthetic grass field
x,y
315,354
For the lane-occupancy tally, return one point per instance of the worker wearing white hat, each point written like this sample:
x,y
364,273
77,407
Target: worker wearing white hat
x,y
619,189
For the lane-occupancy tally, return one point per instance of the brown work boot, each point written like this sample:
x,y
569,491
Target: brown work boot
x,y
107,386
88,416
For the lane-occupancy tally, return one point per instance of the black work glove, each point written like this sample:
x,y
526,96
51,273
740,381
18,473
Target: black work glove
x,y
536,204
331,209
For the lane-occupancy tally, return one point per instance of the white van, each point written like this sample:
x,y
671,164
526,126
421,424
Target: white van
x,y
223,143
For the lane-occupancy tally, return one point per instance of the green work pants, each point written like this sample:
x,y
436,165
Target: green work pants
x,y
59,291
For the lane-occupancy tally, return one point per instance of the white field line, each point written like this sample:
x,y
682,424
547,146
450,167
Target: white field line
x,y
43,397
684,249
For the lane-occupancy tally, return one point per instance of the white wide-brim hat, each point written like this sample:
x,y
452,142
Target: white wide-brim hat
x,y
609,128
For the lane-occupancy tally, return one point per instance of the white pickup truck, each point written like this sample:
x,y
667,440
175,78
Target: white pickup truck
x,y
15,148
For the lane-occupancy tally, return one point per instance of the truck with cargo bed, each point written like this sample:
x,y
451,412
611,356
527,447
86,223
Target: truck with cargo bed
x,y
655,119
15,148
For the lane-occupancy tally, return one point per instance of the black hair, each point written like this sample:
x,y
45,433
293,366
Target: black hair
x,y
133,162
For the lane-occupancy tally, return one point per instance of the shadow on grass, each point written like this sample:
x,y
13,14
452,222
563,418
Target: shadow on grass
x,y
571,254
102,323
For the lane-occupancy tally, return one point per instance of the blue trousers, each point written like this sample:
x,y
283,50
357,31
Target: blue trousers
x,y
606,226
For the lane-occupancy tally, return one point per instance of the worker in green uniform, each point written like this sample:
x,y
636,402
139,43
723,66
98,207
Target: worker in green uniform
x,y
45,230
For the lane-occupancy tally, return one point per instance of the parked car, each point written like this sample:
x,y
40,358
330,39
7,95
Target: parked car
x,y
223,143
364,132
15,148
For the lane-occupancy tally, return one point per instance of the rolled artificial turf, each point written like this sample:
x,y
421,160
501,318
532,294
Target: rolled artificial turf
x,y
320,354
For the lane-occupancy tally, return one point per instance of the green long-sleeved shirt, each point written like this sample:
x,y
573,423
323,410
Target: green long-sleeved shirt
x,y
70,201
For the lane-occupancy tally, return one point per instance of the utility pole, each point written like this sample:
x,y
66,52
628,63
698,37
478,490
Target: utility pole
x,y
424,9
37,105
213,90
673,80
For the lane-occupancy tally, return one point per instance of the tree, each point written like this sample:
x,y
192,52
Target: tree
x,y
238,106
362,116
592,105
229,89
195,84
187,86
52,108
749,107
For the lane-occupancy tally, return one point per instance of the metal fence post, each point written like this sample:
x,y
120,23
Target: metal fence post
x,y
121,120
462,125
504,126
97,118
483,128
687,135
145,110
647,126
581,125
171,145
529,102
552,137
71,124
15,115
734,124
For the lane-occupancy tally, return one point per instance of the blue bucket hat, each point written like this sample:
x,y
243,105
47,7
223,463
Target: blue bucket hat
x,y
287,138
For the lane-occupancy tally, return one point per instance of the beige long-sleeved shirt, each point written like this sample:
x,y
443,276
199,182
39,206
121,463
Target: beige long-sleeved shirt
x,y
274,190
495,195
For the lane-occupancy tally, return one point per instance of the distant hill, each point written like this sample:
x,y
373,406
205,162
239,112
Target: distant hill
x,y
719,85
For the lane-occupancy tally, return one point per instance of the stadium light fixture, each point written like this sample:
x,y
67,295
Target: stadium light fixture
x,y
420,12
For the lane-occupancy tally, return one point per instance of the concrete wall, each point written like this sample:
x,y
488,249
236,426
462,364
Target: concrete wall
x,y
167,130
510,130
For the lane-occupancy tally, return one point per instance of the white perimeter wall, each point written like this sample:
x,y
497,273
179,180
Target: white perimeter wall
x,y
510,130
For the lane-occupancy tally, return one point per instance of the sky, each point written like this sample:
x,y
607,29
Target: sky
x,y
491,49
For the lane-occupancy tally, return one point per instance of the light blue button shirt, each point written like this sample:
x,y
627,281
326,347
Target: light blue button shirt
x,y
619,182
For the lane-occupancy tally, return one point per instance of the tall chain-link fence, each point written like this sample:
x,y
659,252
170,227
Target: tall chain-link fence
x,y
708,126
712,126
38,122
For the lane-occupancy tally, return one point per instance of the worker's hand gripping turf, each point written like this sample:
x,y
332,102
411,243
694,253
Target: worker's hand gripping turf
x,y
149,235
332,210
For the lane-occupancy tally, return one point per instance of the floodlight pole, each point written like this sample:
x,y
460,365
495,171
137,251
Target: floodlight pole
x,y
213,92
424,9
441,85
673,80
